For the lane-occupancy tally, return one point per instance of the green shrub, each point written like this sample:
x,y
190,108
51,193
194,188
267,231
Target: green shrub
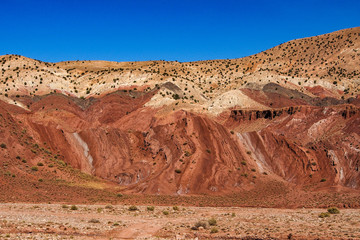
x,y
333,210
324,215
73,207
3,145
133,208
214,230
34,169
150,208
177,170
40,164
323,180
165,212
119,195
212,222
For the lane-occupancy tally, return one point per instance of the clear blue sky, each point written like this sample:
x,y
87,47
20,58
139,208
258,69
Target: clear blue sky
x,y
183,30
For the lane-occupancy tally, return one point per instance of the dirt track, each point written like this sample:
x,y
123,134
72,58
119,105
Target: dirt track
x,y
55,221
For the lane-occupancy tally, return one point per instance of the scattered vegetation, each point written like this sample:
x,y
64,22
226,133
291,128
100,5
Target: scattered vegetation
x,y
93,220
34,168
212,222
133,208
74,208
150,208
333,210
324,215
199,224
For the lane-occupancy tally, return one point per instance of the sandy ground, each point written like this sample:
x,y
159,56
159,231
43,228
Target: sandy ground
x,y
56,221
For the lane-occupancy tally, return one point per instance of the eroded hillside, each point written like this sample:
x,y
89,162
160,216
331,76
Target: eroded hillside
x,y
273,125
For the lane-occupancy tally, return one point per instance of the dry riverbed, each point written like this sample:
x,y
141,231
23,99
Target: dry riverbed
x,y
57,221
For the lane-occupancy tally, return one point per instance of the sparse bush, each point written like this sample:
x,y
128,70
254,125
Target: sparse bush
x,y
65,206
133,208
212,222
41,180
94,220
243,163
333,210
214,230
199,224
40,164
176,208
34,169
176,96
150,208
119,195
73,207
324,215
109,207
323,180
165,212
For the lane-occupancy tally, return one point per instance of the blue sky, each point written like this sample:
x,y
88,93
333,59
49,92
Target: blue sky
x,y
183,30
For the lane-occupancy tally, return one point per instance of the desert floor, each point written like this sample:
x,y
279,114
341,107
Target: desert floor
x,y
57,221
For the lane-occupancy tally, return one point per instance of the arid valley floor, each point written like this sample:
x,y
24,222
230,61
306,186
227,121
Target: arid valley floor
x,y
57,221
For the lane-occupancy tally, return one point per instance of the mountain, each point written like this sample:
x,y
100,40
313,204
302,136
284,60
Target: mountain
x,y
277,127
